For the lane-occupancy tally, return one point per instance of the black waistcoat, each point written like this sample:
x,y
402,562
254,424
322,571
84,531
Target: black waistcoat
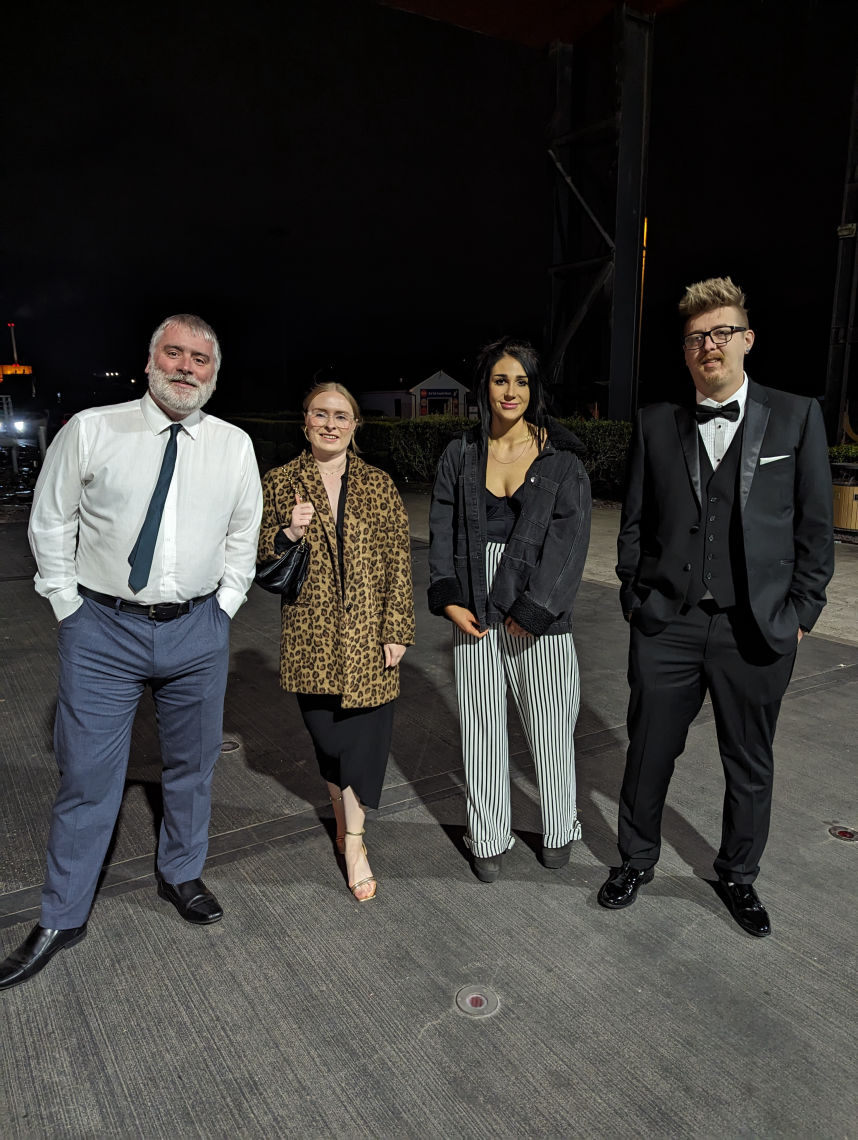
x,y
717,559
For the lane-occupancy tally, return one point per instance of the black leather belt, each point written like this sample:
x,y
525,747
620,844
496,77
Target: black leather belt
x,y
161,611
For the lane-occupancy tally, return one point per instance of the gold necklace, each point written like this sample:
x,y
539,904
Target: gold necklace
x,y
515,458
332,474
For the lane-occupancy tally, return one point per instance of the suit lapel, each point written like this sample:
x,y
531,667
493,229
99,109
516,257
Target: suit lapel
x,y
689,437
756,419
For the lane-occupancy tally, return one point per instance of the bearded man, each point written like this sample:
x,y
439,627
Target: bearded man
x,y
144,529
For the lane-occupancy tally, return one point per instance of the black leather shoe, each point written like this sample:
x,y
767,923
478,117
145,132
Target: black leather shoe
x,y
622,885
487,870
555,857
35,952
744,905
193,900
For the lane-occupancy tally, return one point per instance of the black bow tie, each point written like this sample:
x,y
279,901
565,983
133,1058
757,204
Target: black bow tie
x,y
705,413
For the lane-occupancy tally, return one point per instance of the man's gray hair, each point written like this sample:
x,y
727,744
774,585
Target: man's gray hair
x,y
713,293
195,325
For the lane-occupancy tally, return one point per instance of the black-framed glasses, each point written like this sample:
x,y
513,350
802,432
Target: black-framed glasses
x,y
719,335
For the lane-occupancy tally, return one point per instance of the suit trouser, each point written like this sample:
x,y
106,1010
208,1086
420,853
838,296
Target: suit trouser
x,y
542,674
669,675
106,659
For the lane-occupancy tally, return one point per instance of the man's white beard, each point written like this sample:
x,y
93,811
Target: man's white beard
x,y
165,391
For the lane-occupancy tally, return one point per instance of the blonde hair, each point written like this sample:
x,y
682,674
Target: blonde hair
x,y
713,293
339,390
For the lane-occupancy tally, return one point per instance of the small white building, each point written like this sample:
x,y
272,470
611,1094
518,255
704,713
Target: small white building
x,y
438,395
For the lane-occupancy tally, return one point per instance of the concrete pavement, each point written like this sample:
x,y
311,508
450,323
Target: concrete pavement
x,y
304,1014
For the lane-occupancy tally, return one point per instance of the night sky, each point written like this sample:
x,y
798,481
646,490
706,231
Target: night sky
x,y
342,187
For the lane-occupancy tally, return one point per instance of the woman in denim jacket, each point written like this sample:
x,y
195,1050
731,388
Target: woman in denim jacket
x,y
509,529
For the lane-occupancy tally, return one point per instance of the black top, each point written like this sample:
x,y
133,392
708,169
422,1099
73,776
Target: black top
x,y
341,522
283,542
502,515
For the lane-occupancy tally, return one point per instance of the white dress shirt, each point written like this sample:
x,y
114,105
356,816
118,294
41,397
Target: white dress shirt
x,y
717,434
94,490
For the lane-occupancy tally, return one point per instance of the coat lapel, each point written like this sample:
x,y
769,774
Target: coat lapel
x,y
689,437
756,419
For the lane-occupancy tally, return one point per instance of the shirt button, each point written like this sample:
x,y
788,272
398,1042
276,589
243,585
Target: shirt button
x,y
708,576
712,518
713,499
711,537
687,566
709,557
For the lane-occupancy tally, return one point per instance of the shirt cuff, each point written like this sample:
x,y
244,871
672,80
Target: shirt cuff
x,y
64,604
230,601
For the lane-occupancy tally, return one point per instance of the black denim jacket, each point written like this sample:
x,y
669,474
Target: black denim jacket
x,y
541,567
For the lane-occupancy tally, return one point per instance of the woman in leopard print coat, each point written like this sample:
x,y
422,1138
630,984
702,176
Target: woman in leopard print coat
x,y
342,640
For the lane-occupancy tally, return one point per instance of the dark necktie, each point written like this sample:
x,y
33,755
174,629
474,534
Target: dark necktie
x,y
140,558
704,412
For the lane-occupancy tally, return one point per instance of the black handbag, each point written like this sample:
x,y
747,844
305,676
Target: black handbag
x,y
286,574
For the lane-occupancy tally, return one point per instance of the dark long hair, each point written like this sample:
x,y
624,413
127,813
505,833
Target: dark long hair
x,y
527,356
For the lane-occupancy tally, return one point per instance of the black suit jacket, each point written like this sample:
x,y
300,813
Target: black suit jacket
x,y
785,501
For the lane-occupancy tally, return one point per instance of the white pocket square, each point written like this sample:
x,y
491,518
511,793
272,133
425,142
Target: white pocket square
x,y
771,458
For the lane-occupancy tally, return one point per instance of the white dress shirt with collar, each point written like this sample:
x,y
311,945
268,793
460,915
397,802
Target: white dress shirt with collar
x,y
717,434
94,490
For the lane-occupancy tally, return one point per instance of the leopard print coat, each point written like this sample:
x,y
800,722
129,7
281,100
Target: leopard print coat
x,y
332,639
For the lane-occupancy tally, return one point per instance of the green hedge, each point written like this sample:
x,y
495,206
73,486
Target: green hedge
x,y
418,445
410,449
844,453
606,443
275,441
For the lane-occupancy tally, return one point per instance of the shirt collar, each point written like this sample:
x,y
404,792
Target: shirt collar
x,y
740,397
158,421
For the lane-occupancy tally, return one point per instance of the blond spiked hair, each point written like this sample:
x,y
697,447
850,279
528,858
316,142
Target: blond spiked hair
x,y
713,293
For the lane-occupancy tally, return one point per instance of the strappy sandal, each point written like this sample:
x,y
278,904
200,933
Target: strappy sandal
x,y
353,887
340,839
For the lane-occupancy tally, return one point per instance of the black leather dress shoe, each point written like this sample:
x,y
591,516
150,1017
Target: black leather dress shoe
x,y
487,870
35,952
744,905
193,900
622,885
555,857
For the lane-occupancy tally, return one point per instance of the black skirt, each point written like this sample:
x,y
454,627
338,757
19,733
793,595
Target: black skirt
x,y
352,745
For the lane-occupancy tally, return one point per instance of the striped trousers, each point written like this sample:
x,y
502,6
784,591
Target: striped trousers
x,y
542,675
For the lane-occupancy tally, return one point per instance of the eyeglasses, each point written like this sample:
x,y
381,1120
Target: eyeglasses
x,y
341,420
721,335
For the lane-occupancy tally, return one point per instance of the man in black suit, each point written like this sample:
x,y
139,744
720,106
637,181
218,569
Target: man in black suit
x,y
724,553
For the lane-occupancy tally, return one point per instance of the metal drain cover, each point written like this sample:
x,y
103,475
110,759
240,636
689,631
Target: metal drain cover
x,y
230,746
847,834
477,1001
